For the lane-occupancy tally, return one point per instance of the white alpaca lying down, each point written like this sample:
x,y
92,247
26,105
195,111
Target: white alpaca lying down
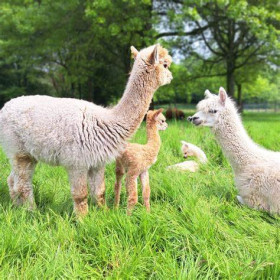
x,y
189,149
257,170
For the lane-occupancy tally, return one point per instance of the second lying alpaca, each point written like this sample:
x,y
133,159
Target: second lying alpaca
x,y
137,159
188,165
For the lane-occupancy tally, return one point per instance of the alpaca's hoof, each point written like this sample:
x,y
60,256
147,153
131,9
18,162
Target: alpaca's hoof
x,y
81,209
240,199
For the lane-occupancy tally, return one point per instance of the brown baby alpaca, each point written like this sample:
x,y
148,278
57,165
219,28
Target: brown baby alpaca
x,y
174,113
137,159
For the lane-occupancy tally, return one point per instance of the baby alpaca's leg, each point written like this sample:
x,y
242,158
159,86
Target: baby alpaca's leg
x,y
144,177
20,181
131,188
78,181
118,184
97,185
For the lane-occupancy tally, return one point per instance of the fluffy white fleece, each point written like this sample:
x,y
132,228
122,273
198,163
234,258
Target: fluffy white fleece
x,y
257,170
60,131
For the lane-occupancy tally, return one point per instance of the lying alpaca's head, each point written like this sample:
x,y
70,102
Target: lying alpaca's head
x,y
211,109
155,60
187,149
156,118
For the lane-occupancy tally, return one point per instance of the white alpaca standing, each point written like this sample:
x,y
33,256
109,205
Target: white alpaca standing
x,y
257,170
76,134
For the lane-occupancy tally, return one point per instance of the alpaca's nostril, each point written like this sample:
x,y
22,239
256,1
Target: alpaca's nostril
x,y
189,119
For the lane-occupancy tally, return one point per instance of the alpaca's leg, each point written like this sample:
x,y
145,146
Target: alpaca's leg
x,y
20,181
97,185
144,177
131,188
118,184
78,181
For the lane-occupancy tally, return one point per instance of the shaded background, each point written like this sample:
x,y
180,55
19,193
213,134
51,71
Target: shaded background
x,y
81,49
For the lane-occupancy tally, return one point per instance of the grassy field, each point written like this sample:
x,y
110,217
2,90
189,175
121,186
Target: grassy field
x,y
196,228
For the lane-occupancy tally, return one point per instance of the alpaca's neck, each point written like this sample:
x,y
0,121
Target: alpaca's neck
x,y
136,99
153,138
236,144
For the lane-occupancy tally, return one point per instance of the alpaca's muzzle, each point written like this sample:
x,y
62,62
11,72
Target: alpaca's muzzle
x,y
195,120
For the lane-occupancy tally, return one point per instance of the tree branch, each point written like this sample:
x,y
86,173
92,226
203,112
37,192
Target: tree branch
x,y
177,33
249,56
206,42
205,76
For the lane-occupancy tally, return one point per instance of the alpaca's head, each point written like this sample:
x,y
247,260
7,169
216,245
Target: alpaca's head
x,y
210,109
187,149
156,119
155,62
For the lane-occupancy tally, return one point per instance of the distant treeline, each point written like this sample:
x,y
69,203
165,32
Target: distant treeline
x,y
81,49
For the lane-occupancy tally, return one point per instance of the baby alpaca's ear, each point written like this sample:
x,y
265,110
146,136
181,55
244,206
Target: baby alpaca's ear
x,y
159,111
134,52
222,96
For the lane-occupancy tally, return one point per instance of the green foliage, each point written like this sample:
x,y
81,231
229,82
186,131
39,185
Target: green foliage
x,y
196,228
229,36
263,89
81,47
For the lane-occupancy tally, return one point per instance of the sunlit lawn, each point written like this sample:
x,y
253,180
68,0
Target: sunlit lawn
x,y
196,229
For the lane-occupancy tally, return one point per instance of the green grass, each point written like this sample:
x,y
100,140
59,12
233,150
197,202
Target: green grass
x,y
196,229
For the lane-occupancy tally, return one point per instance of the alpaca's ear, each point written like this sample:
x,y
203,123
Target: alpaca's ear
x,y
154,57
207,93
134,52
222,96
159,111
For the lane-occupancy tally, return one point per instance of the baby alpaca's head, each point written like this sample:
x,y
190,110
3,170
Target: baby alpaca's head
x,y
155,60
156,118
212,108
187,149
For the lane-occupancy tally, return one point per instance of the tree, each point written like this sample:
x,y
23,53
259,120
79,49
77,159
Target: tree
x,y
264,89
232,33
82,48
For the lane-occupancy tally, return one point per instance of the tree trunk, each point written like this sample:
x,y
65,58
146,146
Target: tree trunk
x,y
239,98
230,78
80,90
230,58
90,90
72,90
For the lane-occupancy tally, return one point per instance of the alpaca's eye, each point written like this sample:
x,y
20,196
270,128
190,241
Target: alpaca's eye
x,y
213,111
